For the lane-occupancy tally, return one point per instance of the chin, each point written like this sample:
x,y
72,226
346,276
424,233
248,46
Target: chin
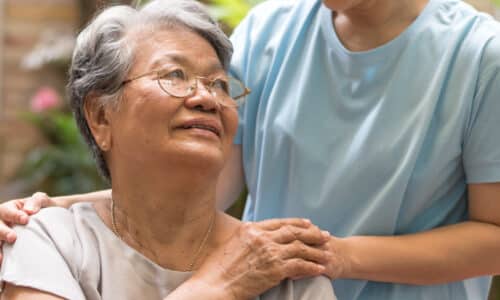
x,y
202,156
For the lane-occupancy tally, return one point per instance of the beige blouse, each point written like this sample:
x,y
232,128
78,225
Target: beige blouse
x,y
73,254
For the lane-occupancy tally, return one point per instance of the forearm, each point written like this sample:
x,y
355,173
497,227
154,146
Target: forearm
x,y
441,255
67,201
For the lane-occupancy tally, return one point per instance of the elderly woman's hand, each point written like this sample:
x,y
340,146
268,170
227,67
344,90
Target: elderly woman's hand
x,y
260,255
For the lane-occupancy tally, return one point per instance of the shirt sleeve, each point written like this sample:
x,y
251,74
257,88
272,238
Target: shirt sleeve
x,y
45,255
312,288
482,141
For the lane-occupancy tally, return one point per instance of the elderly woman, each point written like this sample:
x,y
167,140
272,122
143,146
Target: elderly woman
x,y
152,99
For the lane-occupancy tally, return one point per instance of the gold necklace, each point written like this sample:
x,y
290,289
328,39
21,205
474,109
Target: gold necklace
x,y
196,255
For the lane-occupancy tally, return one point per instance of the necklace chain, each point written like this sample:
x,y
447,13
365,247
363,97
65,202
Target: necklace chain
x,y
197,253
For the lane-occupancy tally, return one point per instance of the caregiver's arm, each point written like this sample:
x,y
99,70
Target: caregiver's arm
x,y
444,254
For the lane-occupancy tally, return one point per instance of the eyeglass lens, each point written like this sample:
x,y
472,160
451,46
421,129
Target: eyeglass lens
x,y
177,84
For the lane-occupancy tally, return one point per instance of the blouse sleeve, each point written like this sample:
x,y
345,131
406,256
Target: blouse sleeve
x,y
482,141
45,255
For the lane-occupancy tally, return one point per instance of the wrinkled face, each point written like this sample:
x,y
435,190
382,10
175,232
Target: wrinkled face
x,y
151,127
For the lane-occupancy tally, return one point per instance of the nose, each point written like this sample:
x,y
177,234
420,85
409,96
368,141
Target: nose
x,y
202,99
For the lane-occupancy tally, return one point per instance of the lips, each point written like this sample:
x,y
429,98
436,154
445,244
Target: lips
x,y
204,124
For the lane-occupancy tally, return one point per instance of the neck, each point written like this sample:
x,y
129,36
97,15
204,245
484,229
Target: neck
x,y
166,219
373,23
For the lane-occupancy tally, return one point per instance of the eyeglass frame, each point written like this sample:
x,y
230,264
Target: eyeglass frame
x,y
246,90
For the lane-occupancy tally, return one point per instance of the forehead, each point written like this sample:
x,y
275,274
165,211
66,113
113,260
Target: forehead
x,y
155,48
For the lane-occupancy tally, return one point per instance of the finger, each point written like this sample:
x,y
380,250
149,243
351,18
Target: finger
x,y
11,212
299,268
274,224
7,234
311,235
38,200
305,252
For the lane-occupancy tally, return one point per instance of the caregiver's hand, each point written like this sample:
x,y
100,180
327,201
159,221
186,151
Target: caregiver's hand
x,y
17,211
260,255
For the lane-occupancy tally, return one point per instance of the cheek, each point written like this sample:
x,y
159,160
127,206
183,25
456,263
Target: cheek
x,y
230,118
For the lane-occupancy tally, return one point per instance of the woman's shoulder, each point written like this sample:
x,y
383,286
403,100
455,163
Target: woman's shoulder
x,y
61,232
312,288
48,245
58,222
276,15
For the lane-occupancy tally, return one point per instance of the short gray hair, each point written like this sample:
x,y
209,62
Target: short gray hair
x,y
104,53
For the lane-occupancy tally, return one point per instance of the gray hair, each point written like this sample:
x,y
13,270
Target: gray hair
x,y
104,53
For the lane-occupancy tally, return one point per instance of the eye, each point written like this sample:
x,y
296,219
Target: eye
x,y
221,84
174,75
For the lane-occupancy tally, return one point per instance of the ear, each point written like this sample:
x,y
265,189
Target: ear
x,y
99,121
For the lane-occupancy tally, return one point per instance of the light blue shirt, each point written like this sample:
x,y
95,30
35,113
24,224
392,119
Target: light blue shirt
x,y
381,142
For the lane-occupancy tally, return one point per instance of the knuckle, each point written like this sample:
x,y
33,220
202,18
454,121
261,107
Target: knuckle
x,y
255,238
39,195
291,230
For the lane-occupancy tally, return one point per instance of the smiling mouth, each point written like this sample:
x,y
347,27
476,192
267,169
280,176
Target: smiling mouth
x,y
204,127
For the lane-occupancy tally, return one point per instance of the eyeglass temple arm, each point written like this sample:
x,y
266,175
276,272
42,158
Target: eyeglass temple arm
x,y
245,93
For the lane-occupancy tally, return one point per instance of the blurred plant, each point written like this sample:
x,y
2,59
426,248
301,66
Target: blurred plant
x,y
231,12
53,48
46,98
63,165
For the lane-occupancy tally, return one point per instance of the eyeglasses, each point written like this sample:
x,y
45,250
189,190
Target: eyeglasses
x,y
228,91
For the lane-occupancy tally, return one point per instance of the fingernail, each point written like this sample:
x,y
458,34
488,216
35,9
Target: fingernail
x,y
29,207
307,221
325,233
11,237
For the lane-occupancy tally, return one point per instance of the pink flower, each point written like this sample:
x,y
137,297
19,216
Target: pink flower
x,y
45,98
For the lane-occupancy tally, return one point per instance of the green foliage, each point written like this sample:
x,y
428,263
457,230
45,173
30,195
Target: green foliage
x,y
63,165
231,12
496,2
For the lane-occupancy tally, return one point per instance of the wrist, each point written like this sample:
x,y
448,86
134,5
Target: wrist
x,y
349,261
65,201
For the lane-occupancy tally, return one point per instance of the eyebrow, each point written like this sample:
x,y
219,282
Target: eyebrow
x,y
184,61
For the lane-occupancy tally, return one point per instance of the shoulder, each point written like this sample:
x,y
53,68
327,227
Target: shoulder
x,y
51,222
53,227
60,232
47,254
267,33
271,17
475,33
319,287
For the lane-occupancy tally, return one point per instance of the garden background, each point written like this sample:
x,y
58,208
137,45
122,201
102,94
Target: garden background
x,y
40,148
